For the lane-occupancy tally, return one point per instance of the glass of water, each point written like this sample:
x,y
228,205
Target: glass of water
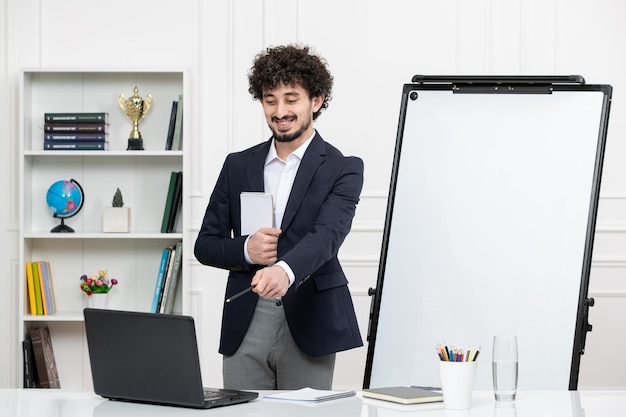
x,y
504,367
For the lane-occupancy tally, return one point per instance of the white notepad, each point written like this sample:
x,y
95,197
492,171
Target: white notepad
x,y
257,211
311,395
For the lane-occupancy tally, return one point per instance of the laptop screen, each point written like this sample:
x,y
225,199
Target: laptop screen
x,y
144,357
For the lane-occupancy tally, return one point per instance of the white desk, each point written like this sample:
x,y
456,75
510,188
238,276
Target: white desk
x,y
63,403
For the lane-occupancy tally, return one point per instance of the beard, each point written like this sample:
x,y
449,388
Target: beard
x,y
289,137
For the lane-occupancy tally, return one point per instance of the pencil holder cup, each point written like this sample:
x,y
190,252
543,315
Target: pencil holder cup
x,y
457,383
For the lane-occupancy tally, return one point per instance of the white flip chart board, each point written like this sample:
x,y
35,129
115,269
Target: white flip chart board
x,y
489,228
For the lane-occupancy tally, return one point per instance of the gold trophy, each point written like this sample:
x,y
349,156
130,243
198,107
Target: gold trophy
x,y
135,108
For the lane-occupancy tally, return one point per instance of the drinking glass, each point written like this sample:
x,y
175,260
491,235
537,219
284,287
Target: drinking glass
x,y
504,367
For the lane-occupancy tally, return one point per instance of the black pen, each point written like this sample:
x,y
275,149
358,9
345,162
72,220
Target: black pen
x,y
239,294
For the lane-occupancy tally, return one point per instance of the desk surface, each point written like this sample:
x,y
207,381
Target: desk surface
x,y
64,403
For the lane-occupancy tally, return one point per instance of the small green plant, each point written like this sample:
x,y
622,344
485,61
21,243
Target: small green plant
x,y
118,200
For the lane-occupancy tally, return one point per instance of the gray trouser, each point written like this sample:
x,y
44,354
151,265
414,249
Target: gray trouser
x,y
268,357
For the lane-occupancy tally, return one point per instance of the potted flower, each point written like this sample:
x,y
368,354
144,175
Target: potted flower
x,y
97,288
116,219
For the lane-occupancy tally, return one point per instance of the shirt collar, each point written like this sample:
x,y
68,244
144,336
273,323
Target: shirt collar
x,y
299,153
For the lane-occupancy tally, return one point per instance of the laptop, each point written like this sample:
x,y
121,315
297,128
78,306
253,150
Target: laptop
x,y
150,358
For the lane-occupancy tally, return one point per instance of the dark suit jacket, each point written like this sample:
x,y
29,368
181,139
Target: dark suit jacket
x,y
317,218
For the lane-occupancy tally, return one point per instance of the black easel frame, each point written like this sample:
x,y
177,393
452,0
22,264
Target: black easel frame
x,y
494,85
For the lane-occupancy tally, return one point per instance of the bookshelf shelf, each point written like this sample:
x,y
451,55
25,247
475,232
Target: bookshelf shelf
x,y
142,176
62,316
104,236
106,154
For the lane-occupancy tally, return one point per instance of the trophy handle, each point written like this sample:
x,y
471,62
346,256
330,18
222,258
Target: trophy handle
x,y
147,103
122,102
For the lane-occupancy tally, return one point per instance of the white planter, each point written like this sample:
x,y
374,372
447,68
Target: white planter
x,y
116,220
97,300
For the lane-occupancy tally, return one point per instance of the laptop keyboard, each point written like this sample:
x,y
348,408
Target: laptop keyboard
x,y
212,395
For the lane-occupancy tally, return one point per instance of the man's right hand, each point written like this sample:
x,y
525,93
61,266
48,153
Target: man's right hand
x,y
263,246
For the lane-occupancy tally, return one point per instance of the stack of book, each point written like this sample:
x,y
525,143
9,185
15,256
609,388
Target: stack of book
x,y
173,202
39,287
167,279
174,139
76,131
40,369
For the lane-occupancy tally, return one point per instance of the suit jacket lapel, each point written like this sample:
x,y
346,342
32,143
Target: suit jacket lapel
x,y
255,167
312,159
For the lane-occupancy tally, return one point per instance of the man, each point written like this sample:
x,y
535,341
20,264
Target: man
x,y
285,332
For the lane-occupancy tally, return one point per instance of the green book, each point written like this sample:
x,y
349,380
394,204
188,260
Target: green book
x,y
177,199
169,201
77,117
37,287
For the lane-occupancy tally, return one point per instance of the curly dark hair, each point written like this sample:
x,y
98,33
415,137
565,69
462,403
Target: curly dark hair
x,y
291,65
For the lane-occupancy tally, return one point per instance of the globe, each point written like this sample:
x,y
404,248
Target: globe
x,y
65,199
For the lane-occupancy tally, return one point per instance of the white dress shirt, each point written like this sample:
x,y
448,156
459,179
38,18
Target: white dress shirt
x,y
279,176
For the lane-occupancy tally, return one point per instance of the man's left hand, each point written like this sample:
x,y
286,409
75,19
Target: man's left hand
x,y
271,282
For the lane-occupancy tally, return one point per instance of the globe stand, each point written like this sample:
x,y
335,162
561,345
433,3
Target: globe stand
x,y
62,228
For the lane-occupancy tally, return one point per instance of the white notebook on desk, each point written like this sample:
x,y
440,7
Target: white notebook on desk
x,y
257,211
311,395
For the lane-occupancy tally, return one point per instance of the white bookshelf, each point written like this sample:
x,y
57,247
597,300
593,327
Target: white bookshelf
x,y
142,176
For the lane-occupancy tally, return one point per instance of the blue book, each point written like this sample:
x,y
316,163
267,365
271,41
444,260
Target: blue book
x,y
47,285
167,304
159,282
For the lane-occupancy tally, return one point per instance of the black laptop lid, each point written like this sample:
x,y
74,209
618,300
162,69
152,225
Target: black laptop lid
x,y
144,357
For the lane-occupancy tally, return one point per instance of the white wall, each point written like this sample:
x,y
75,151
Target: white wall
x,y
373,47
